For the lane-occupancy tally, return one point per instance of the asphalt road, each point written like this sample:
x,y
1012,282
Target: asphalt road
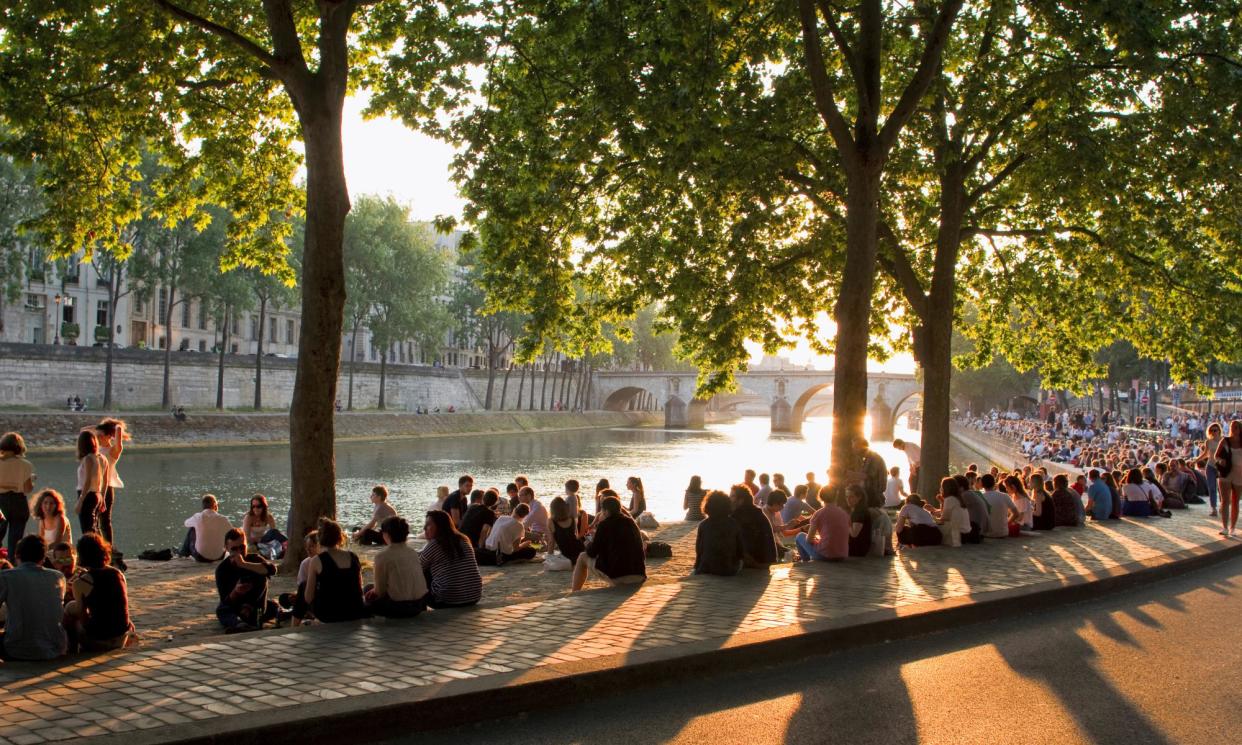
x,y
1159,664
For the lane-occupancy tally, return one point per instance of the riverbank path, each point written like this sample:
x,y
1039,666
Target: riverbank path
x,y
231,684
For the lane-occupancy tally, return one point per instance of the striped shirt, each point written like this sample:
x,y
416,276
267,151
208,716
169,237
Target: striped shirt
x,y
453,581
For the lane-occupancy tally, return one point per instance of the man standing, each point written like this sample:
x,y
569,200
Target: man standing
x,y
914,454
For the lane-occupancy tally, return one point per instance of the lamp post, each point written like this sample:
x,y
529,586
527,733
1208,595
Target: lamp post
x,y
58,300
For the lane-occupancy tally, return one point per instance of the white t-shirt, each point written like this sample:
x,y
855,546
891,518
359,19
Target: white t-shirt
x,y
209,529
892,492
537,520
304,569
1026,508
1154,492
505,533
914,454
915,515
999,505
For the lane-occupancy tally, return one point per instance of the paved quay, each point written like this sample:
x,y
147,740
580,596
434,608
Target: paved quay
x,y
323,682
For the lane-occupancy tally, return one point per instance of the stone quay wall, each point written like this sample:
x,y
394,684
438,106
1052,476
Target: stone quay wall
x,y
1002,452
44,376
57,431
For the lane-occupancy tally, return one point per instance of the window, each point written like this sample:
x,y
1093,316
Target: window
x,y
163,341
163,318
274,329
140,305
202,345
202,315
67,313
101,313
35,301
290,334
254,327
185,314
73,273
234,348
236,326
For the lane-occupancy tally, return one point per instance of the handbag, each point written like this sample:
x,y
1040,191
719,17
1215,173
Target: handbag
x,y
557,563
1224,459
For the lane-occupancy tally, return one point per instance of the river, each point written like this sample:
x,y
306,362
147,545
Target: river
x,y
162,488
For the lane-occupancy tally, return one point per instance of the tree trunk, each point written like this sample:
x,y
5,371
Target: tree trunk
x,y
353,356
853,318
491,373
166,395
521,385
383,403
224,344
504,388
258,356
543,391
586,397
114,296
311,425
530,405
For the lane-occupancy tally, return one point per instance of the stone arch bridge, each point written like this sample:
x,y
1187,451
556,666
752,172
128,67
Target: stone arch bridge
x,y
787,393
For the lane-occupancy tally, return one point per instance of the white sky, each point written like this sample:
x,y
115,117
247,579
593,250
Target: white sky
x,y
384,157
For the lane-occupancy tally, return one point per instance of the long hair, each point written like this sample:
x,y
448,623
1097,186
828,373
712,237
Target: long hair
x,y
110,426
636,484
262,500
559,509
88,444
12,442
58,509
451,540
93,552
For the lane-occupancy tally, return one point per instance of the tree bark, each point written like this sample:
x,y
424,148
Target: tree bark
x,y
383,403
224,343
491,373
530,405
504,388
258,356
166,394
853,318
521,385
543,391
311,424
114,297
353,357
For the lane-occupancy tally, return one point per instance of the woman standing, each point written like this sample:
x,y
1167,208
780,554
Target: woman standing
x,y
112,434
92,480
453,578
50,513
17,479
1214,436
694,499
334,578
1230,449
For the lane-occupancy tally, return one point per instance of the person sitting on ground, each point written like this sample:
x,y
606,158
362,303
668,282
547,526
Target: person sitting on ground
x,y
204,537
828,536
812,492
765,488
262,535
62,559
1099,498
1154,491
1134,498
1045,510
1066,504
400,589
860,520
369,534
915,525
774,510
455,505
895,489
571,496
448,562
536,520
301,609
98,618
953,517
616,554
442,493
718,541
1113,480
507,541
51,524
1026,507
758,543
975,506
796,507
32,596
511,499
693,501
1001,509
567,530
334,579
480,518
638,496
242,583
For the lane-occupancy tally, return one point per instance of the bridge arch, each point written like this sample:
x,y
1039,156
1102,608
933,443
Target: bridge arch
x,y
798,413
619,400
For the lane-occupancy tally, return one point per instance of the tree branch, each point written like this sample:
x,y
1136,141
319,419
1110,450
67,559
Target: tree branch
x,y
929,61
897,265
239,40
821,83
843,44
284,33
1001,127
996,180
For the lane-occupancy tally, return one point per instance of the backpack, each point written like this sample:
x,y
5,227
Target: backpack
x,y
659,550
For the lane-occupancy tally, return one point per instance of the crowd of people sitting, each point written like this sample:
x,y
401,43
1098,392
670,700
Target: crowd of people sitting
x,y
1178,460
64,596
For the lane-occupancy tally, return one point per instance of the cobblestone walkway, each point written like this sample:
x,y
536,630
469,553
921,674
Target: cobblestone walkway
x,y
224,678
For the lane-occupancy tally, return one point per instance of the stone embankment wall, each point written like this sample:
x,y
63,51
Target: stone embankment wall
x,y
1002,452
46,431
44,376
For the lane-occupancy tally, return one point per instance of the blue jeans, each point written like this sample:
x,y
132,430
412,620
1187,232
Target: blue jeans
x,y
806,549
1212,485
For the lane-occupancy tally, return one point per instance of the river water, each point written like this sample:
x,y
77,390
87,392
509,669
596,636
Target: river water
x,y
162,488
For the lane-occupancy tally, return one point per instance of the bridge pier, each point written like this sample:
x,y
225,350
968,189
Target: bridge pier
x,y
676,414
783,418
696,414
881,419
